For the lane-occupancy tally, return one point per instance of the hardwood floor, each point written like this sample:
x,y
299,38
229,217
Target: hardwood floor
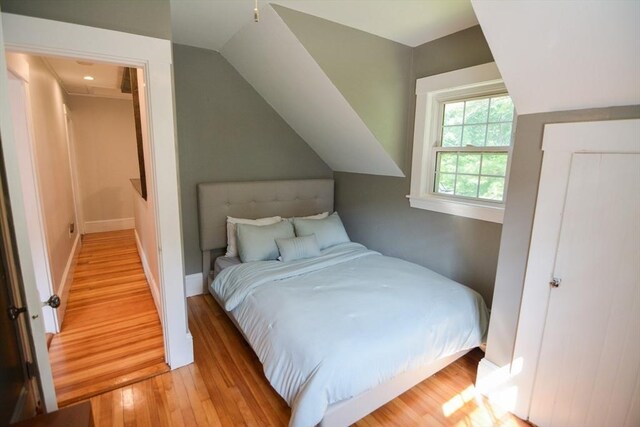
x,y
111,335
226,387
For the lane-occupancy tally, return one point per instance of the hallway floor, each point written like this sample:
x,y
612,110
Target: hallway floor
x,y
111,334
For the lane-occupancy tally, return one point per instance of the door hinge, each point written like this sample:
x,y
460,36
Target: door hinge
x,y
14,311
31,370
555,282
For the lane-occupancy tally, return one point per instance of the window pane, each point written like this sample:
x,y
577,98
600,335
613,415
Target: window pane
x,y
491,188
474,135
447,162
499,135
445,183
453,113
476,111
501,109
494,164
451,136
469,163
467,186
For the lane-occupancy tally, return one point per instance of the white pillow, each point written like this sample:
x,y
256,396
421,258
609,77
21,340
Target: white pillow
x,y
322,215
232,244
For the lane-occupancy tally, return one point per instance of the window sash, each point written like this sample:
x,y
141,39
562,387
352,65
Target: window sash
x,y
433,171
438,148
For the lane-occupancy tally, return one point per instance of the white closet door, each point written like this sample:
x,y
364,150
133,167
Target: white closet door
x,y
589,366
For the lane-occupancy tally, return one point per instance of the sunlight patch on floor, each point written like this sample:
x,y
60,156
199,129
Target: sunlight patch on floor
x,y
475,410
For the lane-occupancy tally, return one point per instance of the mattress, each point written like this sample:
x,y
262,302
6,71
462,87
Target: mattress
x,y
223,262
329,328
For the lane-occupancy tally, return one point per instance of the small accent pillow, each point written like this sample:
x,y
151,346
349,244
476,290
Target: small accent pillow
x,y
328,231
232,245
298,248
258,242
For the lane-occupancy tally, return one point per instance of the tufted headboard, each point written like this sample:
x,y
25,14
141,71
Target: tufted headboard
x,y
256,199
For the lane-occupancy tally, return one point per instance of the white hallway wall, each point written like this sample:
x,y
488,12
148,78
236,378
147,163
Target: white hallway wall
x,y
106,155
145,219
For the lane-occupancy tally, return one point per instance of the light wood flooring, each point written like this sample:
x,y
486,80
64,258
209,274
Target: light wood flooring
x,y
226,387
111,334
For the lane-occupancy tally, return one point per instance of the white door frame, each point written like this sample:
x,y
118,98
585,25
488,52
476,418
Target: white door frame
x,y
53,38
560,142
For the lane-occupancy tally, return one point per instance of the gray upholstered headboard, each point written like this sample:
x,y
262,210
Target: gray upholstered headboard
x,y
256,199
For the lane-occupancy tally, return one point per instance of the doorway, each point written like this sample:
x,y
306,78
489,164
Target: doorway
x,y
79,127
153,58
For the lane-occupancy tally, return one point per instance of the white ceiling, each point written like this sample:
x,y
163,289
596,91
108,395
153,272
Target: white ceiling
x,y
70,73
211,23
565,55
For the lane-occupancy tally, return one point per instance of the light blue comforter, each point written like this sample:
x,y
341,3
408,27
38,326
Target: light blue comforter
x,y
329,328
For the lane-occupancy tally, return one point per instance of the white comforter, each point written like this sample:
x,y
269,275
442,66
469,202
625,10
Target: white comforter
x,y
329,328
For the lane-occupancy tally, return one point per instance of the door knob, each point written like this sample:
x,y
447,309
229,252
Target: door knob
x,y
53,301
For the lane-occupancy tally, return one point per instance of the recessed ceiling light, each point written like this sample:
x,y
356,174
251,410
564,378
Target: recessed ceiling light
x,y
88,77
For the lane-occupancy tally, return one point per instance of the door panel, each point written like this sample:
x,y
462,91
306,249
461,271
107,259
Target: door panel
x,y
12,375
589,366
28,169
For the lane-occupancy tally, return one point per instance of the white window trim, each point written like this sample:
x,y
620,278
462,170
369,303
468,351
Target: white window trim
x,y
431,92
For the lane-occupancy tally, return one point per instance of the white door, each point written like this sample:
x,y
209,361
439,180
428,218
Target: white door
x,y
589,366
19,227
19,101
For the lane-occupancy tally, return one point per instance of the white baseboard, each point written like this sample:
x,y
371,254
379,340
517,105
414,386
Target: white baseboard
x,y
193,285
67,277
497,384
109,225
153,286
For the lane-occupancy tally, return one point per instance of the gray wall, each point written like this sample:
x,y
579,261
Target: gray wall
x,y
227,132
146,17
518,221
372,73
376,211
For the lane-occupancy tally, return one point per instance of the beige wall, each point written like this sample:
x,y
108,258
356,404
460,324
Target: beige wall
x,y
52,163
375,209
228,132
104,138
145,209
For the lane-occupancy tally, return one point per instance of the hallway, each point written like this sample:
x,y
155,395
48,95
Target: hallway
x,y
111,335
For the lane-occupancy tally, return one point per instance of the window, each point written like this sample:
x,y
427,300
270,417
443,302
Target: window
x,y
462,144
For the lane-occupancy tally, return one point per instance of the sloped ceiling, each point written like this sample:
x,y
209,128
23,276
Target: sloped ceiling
x,y
209,24
353,124
410,22
372,73
277,65
565,55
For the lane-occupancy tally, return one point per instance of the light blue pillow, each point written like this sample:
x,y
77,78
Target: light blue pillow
x,y
258,242
328,231
298,247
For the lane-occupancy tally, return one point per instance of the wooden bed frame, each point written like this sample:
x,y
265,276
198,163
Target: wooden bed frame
x,y
258,199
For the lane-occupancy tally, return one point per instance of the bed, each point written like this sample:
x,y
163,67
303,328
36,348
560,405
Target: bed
x,y
342,333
